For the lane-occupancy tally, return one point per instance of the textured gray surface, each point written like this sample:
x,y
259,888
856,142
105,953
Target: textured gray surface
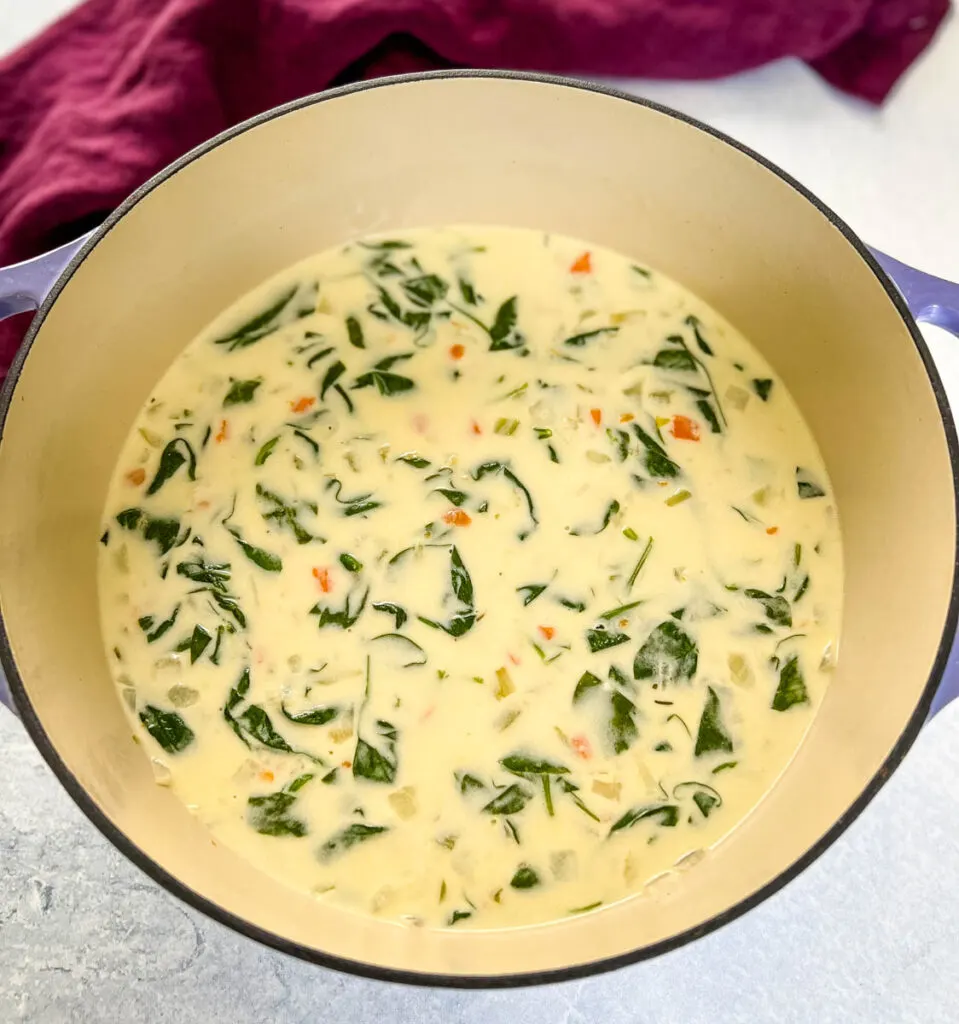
x,y
870,933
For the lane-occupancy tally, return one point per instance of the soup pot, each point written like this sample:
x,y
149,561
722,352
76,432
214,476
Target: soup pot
x,y
529,151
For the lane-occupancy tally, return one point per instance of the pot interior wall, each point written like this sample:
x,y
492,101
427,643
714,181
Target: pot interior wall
x,y
502,151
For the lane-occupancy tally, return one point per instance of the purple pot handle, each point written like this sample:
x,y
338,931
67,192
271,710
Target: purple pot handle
x,y
931,300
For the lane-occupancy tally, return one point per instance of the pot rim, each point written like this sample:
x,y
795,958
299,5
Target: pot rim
x,y
576,971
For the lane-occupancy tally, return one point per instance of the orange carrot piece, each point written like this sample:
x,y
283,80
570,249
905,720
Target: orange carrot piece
x,y
266,776
513,658
685,429
457,351
548,632
322,576
583,265
457,517
302,404
137,476
596,415
626,417
772,530
223,433
475,427
582,746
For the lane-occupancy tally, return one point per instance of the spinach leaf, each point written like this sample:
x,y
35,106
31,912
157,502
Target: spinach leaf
x,y
199,641
792,686
256,724
520,764
354,332
333,373
525,878
467,291
454,497
458,915
271,319
266,451
502,333
704,797
171,459
573,790
348,838
384,379
709,414
667,655
399,614
777,607
531,591
578,340
164,531
212,574
414,460
712,735
611,509
675,359
510,801
146,623
668,815
346,617
622,726
167,728
494,469
587,682
599,638
269,815
315,716
285,514
762,386
425,289
696,324
350,564
806,486
241,391
619,439
356,506
462,620
375,765
265,560
658,463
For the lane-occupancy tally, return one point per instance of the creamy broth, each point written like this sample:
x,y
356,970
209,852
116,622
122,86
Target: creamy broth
x,y
474,577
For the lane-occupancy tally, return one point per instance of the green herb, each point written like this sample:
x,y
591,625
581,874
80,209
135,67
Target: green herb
x,y
333,373
306,439
256,724
467,782
425,290
801,589
373,764
269,815
495,468
658,463
354,332
712,734
668,815
599,638
519,764
619,439
806,487
525,878
410,646
271,318
678,498
622,726
350,563
583,910
346,617
704,797
146,622
777,607
531,591
386,245
668,655
510,801
638,568
241,391
792,686
317,356
679,359
696,324
347,838
467,291
315,716
458,915
171,459
265,560
454,497
574,606
611,510
385,381
708,413
284,514
399,614
614,613
587,682
199,641
167,728
356,506
266,451
579,340
414,460
213,574
762,386
571,789
502,332
463,620
725,766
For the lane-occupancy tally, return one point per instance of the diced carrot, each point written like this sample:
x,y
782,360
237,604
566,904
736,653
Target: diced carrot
x,y
137,476
596,415
582,746
346,764
626,417
223,433
685,429
548,632
583,265
302,404
457,351
772,530
513,658
457,517
266,776
475,427
322,576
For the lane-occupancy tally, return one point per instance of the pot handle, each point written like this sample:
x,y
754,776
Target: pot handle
x,y
931,300
23,286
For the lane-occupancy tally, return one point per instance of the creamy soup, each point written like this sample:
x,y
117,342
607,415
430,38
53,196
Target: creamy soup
x,y
471,577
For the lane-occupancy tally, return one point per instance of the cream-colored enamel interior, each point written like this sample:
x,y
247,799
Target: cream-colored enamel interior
x,y
522,622
516,153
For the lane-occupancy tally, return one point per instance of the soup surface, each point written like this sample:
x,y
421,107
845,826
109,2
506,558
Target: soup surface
x,y
472,577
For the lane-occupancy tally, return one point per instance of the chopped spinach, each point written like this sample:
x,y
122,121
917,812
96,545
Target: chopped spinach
x,y
373,764
712,734
347,838
266,450
315,716
599,638
167,728
356,506
579,340
269,815
658,463
510,801
520,764
531,591
241,391
464,618
494,469
668,655
171,459
286,514
399,614
155,630
792,686
806,486
346,617
264,559
622,725
668,815
777,607
762,386
587,682
524,878
271,319
354,332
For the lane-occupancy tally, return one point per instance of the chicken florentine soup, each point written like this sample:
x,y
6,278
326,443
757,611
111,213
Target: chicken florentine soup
x,y
471,577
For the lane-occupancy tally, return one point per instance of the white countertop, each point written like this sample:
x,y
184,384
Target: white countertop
x,y
869,933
